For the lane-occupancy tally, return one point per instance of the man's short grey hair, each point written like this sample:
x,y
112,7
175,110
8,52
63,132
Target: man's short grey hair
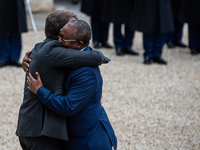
x,y
83,30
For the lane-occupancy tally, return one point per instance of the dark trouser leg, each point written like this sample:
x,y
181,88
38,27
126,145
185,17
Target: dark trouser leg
x,y
4,48
148,44
198,37
40,143
153,44
99,30
123,43
95,29
104,32
118,37
158,47
193,39
176,35
170,37
10,47
174,38
104,28
178,32
16,46
158,44
128,40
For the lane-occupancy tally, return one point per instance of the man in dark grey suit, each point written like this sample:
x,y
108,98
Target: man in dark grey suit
x,y
38,127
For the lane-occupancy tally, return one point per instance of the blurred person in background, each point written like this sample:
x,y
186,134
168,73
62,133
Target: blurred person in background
x,y
189,13
155,19
93,8
174,38
12,23
118,12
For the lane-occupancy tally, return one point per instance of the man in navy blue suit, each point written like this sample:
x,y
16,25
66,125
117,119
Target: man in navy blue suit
x,y
88,125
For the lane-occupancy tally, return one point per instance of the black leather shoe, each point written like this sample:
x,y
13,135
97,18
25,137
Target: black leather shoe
x,y
180,44
15,63
194,51
130,51
96,44
106,45
147,60
171,44
159,61
3,63
119,51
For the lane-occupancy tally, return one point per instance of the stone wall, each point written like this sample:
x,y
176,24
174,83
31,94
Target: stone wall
x,y
41,5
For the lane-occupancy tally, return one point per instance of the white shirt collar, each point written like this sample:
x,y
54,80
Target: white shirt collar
x,y
83,49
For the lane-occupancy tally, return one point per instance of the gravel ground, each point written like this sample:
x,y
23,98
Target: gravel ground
x,y
150,107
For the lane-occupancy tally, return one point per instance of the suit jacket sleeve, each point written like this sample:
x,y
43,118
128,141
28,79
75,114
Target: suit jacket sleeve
x,y
70,58
82,88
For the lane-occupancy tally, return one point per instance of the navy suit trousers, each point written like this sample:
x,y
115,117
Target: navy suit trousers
x,y
194,36
153,44
176,35
10,47
99,30
123,39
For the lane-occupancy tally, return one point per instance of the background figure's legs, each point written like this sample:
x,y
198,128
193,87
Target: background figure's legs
x,y
16,46
193,39
4,48
158,45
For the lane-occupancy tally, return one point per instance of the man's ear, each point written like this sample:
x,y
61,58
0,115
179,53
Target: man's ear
x,y
61,29
59,39
80,44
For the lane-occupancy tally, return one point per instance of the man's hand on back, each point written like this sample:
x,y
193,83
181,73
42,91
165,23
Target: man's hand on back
x,y
26,61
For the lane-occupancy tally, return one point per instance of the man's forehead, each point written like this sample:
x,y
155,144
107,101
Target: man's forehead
x,y
68,28
65,27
